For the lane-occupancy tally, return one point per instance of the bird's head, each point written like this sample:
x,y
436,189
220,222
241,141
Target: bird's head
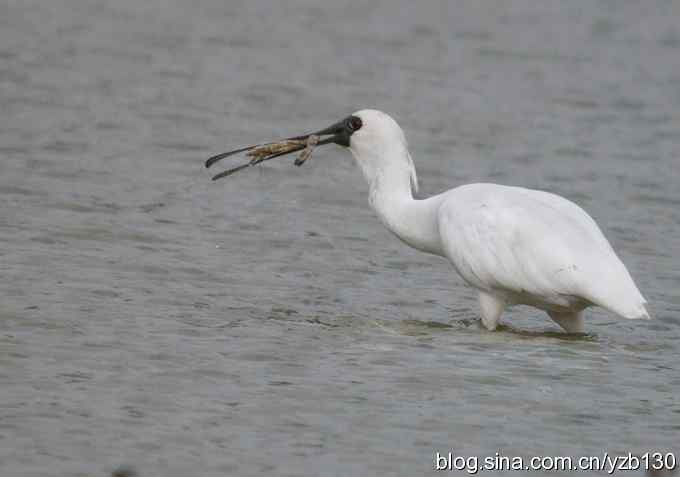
x,y
377,132
380,148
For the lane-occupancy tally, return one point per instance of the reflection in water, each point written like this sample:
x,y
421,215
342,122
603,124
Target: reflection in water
x,y
124,471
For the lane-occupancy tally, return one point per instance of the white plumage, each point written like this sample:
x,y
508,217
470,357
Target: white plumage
x,y
514,245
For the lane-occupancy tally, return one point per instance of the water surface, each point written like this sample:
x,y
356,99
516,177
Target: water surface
x,y
268,323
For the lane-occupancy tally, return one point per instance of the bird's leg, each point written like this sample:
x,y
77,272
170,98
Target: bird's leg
x,y
492,308
571,321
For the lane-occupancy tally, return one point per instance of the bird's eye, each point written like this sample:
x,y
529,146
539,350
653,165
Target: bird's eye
x,y
354,123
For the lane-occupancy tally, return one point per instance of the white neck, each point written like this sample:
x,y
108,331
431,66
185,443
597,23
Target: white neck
x,y
391,181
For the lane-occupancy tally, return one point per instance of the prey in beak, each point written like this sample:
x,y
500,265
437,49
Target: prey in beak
x,y
338,133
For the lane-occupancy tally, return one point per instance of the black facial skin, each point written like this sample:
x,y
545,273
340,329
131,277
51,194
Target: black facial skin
x,y
338,133
354,123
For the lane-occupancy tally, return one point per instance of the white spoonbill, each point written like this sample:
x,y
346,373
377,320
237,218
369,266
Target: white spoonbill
x,y
513,245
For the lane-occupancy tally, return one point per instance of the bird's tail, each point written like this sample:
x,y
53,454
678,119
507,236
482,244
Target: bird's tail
x,y
619,294
630,309
638,312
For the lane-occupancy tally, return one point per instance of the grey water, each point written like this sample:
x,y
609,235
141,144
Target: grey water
x,y
268,323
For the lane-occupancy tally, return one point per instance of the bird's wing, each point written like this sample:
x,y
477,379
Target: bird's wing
x,y
533,243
